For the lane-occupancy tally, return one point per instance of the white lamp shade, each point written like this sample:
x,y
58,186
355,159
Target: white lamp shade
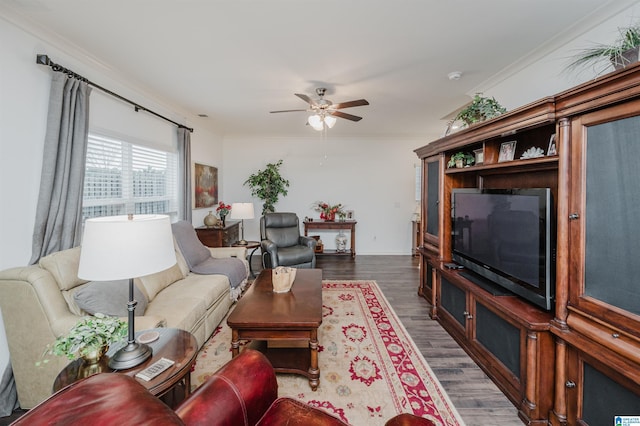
x,y
316,122
242,211
120,247
330,121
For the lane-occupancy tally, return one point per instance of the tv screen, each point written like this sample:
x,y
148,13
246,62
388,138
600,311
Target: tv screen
x,y
506,236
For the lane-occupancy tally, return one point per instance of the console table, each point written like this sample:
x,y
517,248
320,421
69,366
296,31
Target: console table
x,y
324,225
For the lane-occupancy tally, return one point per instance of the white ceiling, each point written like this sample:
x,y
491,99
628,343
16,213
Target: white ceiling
x,y
236,60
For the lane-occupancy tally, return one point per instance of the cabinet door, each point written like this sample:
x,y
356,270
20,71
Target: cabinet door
x,y
431,203
596,393
452,307
604,205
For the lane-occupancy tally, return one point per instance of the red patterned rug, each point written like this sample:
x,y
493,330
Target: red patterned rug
x,y
370,369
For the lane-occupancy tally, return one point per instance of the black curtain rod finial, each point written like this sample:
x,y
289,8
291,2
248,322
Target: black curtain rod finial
x,y
42,59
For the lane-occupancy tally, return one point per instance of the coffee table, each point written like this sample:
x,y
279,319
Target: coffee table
x,y
175,344
265,317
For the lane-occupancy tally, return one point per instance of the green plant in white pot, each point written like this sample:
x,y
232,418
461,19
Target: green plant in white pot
x,y
89,338
621,53
461,159
480,109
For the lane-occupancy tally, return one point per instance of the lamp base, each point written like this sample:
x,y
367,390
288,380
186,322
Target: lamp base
x,y
131,355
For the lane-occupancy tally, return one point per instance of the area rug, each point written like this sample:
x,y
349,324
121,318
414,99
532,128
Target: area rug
x,y
370,368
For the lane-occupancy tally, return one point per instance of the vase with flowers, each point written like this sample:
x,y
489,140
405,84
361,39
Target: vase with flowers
x,y
223,210
328,211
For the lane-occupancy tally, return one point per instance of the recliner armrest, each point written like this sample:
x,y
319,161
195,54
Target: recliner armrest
x,y
238,393
307,241
269,246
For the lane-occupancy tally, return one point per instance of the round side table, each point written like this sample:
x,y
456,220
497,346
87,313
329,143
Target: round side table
x,y
255,245
175,344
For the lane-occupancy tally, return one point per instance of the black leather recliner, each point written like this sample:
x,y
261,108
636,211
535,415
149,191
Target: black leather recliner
x,y
282,244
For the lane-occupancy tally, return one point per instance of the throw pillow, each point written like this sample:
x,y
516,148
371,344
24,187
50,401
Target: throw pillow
x,y
155,283
63,265
109,298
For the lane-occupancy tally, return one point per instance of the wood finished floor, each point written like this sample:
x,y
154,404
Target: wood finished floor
x,y
475,396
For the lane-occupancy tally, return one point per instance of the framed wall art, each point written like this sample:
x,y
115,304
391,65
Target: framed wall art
x,y
205,185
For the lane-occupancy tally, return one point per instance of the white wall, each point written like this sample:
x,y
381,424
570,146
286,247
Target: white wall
x,y
373,177
547,76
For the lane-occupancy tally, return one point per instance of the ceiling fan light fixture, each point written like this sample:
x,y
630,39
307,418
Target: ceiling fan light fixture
x,y
330,121
315,121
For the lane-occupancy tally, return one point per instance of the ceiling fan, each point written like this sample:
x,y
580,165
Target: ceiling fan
x,y
324,110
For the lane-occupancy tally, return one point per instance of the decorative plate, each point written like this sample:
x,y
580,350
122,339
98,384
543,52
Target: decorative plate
x,y
533,152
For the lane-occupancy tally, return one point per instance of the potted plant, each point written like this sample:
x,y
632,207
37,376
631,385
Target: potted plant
x,y
619,54
89,338
461,159
268,185
480,109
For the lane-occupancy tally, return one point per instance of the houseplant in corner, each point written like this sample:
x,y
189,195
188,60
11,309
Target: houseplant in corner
x,y
89,338
480,109
621,53
268,185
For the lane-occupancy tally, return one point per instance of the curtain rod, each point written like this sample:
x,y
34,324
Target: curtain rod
x,y
44,60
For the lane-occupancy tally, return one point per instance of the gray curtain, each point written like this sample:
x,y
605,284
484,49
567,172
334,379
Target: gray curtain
x,y
59,211
184,175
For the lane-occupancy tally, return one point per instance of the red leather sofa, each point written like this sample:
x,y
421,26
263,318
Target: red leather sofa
x,y
243,392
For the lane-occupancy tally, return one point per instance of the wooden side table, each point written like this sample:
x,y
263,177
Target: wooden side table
x,y
175,344
219,237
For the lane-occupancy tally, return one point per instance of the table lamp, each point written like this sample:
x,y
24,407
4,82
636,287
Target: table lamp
x,y
242,211
126,247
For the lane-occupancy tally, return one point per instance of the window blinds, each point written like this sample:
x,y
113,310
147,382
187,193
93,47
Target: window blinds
x,y
122,178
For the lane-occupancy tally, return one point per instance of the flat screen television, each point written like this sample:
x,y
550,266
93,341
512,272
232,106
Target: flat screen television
x,y
507,238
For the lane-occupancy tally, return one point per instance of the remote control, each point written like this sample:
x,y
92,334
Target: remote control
x,y
453,266
154,369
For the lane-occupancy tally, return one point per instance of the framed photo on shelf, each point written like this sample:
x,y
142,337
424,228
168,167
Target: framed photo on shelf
x,y
350,215
479,154
507,151
205,185
552,146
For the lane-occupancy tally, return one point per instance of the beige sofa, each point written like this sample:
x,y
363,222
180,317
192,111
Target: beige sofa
x,y
38,304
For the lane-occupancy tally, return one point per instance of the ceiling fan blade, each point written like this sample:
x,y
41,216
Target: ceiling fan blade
x,y
307,99
359,102
344,115
288,110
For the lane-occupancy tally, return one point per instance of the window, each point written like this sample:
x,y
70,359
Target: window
x,y
121,178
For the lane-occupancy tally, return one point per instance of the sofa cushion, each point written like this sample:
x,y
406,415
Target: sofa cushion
x,y
185,312
155,283
209,288
63,265
182,263
109,298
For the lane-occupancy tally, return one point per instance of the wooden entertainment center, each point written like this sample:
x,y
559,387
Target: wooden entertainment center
x,y
580,362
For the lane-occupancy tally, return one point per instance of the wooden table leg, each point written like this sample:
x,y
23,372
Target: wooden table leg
x,y
314,370
235,344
